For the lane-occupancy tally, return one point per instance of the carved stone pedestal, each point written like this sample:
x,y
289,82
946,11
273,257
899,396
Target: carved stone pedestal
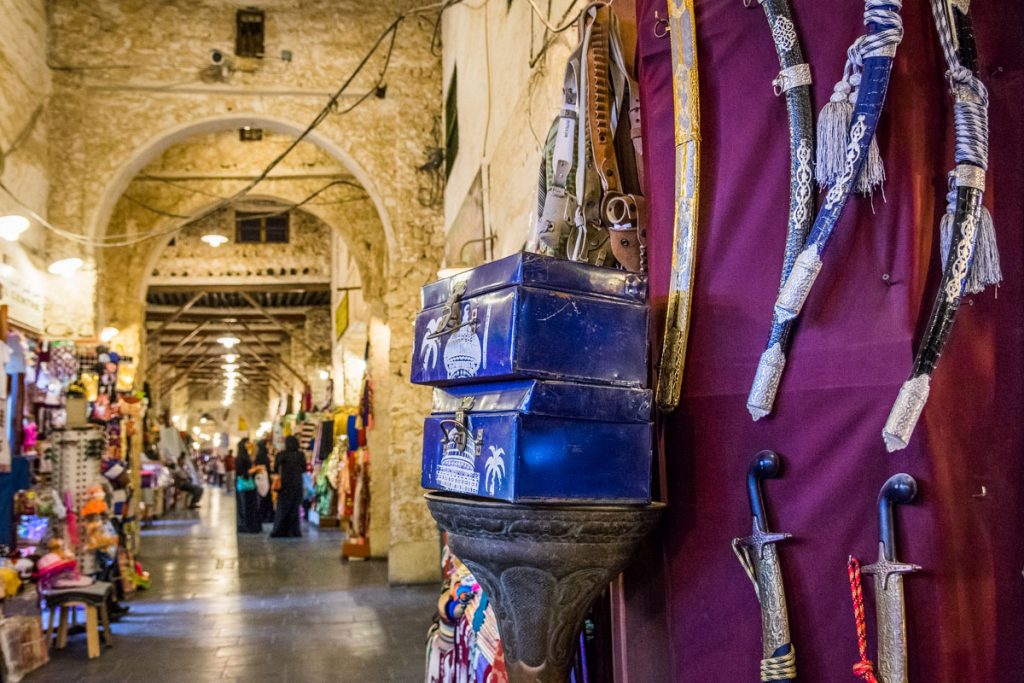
x,y
542,566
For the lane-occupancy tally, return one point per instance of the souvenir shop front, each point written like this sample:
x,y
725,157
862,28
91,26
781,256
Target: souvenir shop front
x,y
681,396
334,441
69,490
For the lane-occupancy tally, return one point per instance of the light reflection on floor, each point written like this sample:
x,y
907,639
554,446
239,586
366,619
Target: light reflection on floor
x,y
249,608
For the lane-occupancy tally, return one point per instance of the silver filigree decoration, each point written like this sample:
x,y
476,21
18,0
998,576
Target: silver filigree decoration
x,y
958,269
803,184
784,34
853,152
766,381
891,617
791,77
798,285
905,413
969,175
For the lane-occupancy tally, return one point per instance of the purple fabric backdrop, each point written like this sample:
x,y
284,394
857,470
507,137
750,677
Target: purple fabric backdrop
x,y
853,351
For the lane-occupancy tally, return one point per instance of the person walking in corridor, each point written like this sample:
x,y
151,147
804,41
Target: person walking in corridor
x,y
229,472
265,504
289,466
247,500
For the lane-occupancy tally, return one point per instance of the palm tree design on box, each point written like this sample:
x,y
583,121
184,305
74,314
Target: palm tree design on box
x,y
494,468
431,345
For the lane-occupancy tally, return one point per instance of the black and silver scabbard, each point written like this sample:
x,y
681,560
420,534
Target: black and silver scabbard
x,y
888,574
968,218
758,555
793,82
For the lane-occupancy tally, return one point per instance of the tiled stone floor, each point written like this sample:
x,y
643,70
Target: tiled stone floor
x,y
254,609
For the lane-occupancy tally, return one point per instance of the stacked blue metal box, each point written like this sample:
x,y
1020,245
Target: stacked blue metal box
x,y
540,372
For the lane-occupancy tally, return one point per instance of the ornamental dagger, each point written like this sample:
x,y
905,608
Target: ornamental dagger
x,y
793,81
760,559
967,217
888,574
686,106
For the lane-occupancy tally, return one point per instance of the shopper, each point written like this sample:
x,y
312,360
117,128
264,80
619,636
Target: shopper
x,y
218,470
247,500
186,483
229,472
266,503
290,465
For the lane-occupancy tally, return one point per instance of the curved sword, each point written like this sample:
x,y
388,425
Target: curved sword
x,y
686,105
794,80
760,559
970,106
888,574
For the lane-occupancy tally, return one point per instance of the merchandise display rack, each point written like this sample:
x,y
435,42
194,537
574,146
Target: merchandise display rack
x,y
79,451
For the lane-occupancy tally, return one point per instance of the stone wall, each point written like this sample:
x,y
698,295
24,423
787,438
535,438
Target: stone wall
x,y
510,74
25,84
304,255
505,107
132,80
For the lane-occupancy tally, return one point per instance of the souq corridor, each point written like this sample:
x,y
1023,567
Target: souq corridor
x,y
224,607
511,341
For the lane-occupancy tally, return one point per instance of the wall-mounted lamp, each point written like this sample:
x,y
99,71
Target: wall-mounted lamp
x,y
12,226
65,267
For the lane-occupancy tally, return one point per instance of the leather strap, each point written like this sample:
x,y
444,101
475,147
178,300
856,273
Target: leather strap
x,y
606,79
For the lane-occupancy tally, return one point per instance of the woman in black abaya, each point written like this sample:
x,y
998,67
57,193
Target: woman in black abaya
x,y
245,491
265,504
289,466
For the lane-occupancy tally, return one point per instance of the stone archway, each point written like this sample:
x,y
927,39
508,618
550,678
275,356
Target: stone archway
x,y
399,419
155,146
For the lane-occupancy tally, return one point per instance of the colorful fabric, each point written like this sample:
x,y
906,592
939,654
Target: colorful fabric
x,y
463,644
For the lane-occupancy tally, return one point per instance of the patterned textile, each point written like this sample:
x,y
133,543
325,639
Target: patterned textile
x,y
463,644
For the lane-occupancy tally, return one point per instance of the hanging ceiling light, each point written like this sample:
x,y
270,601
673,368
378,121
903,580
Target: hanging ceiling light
x,y
108,333
214,240
65,266
227,342
230,357
324,375
230,367
12,226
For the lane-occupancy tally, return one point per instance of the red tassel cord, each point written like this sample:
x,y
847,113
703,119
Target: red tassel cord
x,y
864,668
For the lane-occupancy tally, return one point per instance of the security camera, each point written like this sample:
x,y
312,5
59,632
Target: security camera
x,y
217,57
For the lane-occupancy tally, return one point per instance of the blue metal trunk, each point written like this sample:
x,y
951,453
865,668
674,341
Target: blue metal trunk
x,y
532,316
537,441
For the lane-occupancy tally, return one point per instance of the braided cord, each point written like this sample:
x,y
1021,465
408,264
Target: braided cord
x,y
885,14
781,668
864,668
970,97
743,555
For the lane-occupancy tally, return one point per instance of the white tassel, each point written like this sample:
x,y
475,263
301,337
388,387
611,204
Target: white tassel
x,y
985,270
833,134
872,173
946,228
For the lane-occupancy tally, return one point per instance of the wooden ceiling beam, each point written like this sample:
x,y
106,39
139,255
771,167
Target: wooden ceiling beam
x,y
159,285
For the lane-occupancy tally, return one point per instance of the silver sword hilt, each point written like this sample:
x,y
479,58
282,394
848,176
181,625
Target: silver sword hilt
x,y
899,489
888,574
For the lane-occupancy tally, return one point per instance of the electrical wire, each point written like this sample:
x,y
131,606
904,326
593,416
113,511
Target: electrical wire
x,y
566,25
389,34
